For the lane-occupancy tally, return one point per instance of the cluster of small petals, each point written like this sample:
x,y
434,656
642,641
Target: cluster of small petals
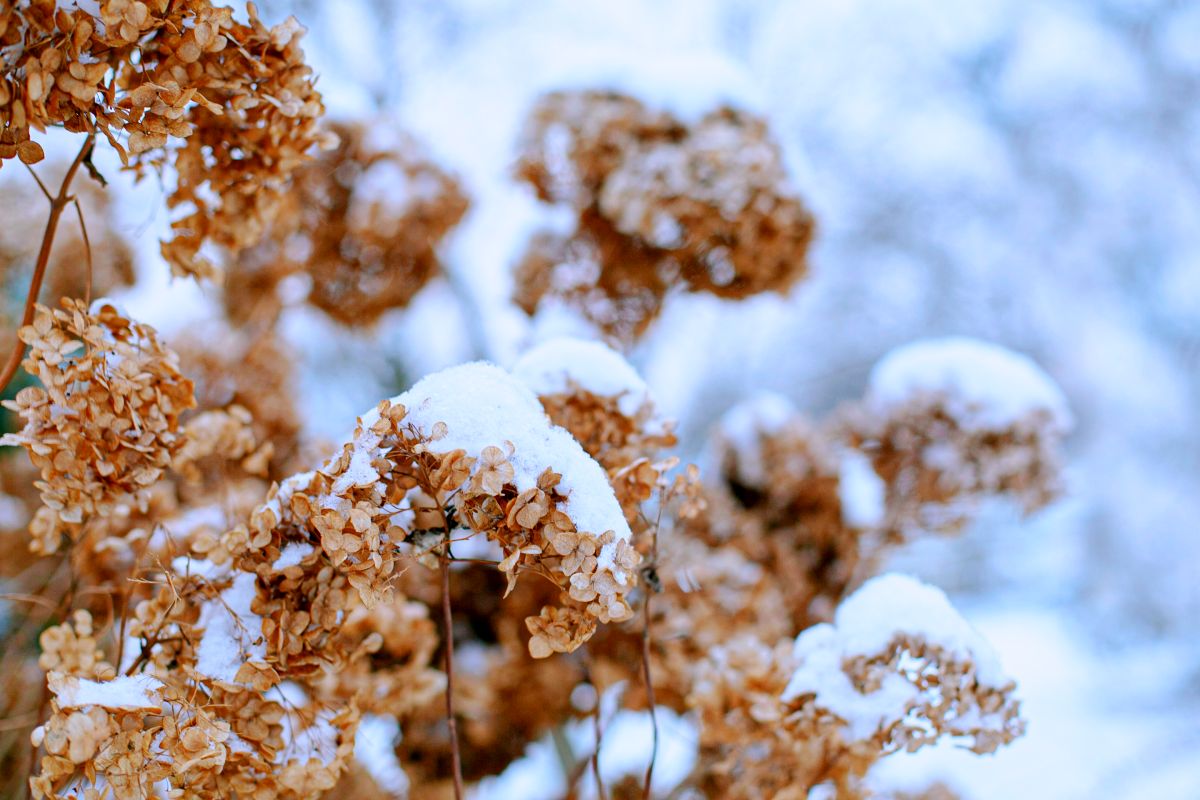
x,y
938,471
776,498
104,424
660,203
360,228
144,73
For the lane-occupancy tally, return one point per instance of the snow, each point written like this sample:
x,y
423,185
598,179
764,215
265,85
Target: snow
x,y
864,625
861,491
374,750
232,632
482,405
744,425
204,569
291,555
304,742
549,368
987,387
128,692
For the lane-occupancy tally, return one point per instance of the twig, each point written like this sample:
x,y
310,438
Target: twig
x,y
448,627
649,698
598,728
650,588
447,623
87,248
57,204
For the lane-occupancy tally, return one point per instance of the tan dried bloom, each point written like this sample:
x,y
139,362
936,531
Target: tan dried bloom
x,y
949,423
778,723
660,203
558,630
778,498
104,424
360,228
147,74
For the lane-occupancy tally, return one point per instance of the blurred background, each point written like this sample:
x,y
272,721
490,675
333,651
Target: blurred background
x,y
1024,172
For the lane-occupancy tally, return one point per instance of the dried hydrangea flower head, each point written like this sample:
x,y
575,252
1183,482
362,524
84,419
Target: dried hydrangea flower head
x,y
104,424
467,451
950,422
661,202
898,669
239,96
362,225
250,369
779,496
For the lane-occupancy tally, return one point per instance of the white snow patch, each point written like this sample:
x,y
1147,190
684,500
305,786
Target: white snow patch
x,y
374,750
986,386
291,555
548,368
861,491
232,632
128,692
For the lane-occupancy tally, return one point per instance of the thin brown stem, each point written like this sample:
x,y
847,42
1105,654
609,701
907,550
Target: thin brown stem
x,y
646,676
87,248
598,729
447,624
649,697
57,204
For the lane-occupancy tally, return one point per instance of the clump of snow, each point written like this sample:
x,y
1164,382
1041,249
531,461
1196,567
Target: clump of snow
x,y
864,625
128,692
861,491
304,742
986,386
187,566
374,750
481,405
549,368
291,555
232,632
744,425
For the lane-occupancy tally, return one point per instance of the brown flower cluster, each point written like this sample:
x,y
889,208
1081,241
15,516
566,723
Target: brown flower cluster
x,y
777,500
104,424
253,370
939,471
361,225
781,720
141,73
660,203
948,423
392,466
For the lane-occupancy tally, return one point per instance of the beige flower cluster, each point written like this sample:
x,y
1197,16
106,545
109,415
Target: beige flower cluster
x,y
142,74
660,203
780,720
939,471
362,225
104,424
